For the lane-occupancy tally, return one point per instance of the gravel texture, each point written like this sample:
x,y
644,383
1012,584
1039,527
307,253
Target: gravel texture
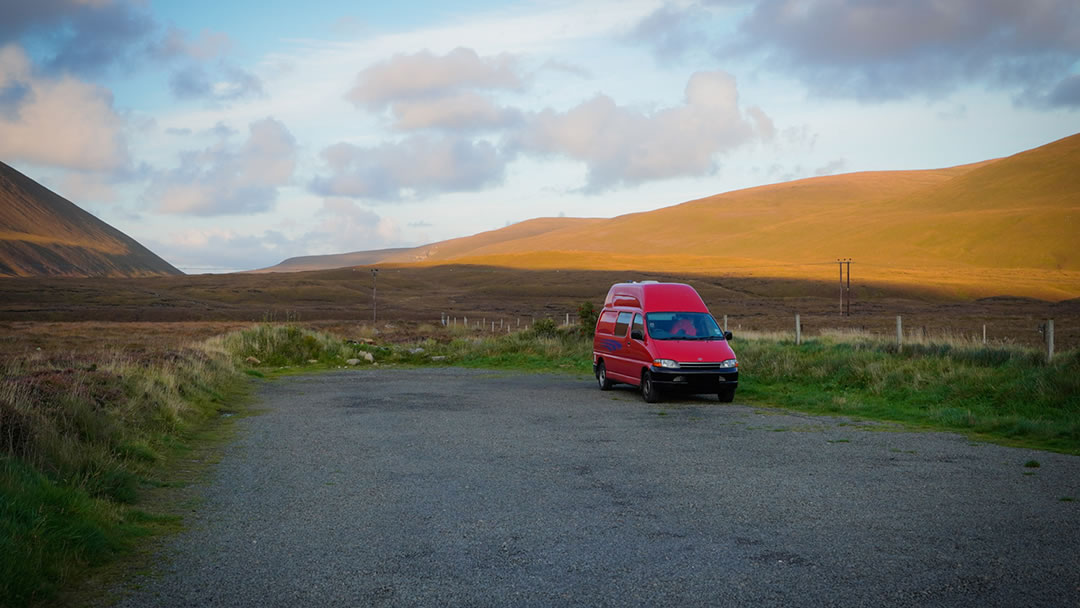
x,y
451,487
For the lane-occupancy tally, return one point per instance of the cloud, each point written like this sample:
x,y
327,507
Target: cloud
x,y
223,250
462,112
79,36
37,124
342,226
190,82
622,145
426,76
347,226
416,166
565,67
889,50
1066,93
194,82
669,30
223,179
426,91
831,167
208,45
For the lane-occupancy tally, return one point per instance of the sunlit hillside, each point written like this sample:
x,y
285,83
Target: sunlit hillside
x,y
1005,226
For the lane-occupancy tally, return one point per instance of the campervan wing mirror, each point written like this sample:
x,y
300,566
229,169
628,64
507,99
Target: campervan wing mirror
x,y
727,335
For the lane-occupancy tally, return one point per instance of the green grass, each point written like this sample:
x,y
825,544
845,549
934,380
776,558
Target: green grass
x,y
78,441
1008,395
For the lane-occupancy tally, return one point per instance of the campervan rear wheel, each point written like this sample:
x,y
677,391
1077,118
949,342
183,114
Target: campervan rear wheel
x,y
601,377
649,392
727,394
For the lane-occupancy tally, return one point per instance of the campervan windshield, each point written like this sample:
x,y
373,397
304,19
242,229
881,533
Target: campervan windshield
x,y
683,326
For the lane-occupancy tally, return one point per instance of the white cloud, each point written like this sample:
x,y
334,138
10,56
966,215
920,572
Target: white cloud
x,y
342,226
61,122
223,179
625,145
426,91
425,76
347,226
417,166
462,111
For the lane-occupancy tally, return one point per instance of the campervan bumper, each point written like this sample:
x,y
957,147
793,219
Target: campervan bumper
x,y
694,380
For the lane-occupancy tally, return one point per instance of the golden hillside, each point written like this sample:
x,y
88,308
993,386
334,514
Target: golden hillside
x,y
44,234
1001,227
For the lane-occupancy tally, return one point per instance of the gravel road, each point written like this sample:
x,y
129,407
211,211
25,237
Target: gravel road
x,y
451,487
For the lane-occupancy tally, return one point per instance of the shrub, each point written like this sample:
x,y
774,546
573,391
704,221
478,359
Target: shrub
x,y
587,317
545,328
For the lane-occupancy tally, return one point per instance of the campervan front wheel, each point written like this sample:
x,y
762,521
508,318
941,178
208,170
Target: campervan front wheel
x,y
649,392
727,394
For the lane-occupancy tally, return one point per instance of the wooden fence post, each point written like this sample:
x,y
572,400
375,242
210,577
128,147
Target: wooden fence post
x,y
984,334
899,334
725,323
1049,340
798,330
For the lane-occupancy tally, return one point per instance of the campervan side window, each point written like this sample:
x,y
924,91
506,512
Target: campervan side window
x,y
607,322
622,323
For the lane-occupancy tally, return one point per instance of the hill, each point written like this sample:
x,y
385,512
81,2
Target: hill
x,y
1000,227
44,234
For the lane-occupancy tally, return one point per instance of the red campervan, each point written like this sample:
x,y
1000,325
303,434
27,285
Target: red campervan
x,y
661,337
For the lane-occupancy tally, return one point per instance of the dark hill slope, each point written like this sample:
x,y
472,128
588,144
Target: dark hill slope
x,y
44,234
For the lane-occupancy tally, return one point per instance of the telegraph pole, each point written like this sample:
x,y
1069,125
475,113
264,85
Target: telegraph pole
x,y
840,263
374,294
848,286
845,293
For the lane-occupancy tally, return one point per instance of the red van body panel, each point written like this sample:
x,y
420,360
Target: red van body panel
x,y
685,361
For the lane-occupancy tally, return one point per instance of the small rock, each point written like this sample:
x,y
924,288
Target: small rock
x,y
312,360
415,351
352,361
368,357
252,360
438,357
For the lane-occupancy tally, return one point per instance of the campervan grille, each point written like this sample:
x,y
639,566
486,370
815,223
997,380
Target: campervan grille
x,y
699,365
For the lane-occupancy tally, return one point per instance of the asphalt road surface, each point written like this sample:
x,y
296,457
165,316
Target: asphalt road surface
x,y
449,487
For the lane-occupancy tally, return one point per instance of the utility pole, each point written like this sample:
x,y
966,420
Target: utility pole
x,y
845,300
374,295
848,262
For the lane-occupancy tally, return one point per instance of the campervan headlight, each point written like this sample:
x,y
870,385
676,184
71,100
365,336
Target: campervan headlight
x,y
670,363
730,363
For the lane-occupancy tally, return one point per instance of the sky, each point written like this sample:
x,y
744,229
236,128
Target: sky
x,y
233,135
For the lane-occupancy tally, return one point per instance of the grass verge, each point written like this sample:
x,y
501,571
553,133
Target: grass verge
x,y
81,438
1009,395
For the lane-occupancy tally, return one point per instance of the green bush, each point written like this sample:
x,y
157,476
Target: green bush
x,y
587,317
545,328
285,345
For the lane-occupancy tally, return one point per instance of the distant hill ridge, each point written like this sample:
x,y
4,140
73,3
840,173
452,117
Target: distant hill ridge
x,y
44,234
1002,226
